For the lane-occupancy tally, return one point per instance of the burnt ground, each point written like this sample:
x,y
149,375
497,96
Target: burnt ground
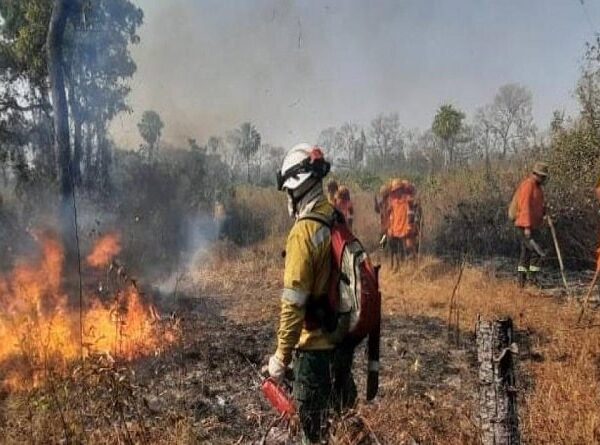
x,y
212,379
205,389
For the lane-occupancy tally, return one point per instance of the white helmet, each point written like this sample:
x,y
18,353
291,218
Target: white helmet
x,y
302,162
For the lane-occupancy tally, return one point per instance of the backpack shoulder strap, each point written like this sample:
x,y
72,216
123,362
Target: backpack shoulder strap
x,y
320,218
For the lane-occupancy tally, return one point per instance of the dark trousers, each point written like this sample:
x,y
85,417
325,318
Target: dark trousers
x,y
344,387
530,259
322,380
397,248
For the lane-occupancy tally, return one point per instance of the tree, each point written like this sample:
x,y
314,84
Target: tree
x,y
326,140
588,87
56,31
486,138
270,158
558,121
345,142
25,108
511,118
96,64
447,125
246,140
386,135
100,66
425,146
150,128
195,147
214,144
360,146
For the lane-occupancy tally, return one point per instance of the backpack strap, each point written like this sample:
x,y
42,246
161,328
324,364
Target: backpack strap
x,y
328,221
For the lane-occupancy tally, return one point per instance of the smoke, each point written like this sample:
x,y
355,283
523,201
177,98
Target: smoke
x,y
296,67
200,233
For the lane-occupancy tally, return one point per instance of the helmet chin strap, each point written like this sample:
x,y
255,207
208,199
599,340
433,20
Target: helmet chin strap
x,y
298,199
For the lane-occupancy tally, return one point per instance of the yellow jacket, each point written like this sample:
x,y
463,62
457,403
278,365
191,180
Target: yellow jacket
x,y
306,279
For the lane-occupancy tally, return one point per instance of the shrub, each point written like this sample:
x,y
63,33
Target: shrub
x,y
255,213
575,168
465,212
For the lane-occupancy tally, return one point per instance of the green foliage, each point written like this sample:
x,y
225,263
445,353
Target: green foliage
x,y
574,160
97,65
150,128
254,214
98,57
24,37
447,125
159,206
447,122
465,213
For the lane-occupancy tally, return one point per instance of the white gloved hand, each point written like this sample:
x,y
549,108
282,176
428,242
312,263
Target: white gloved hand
x,y
276,368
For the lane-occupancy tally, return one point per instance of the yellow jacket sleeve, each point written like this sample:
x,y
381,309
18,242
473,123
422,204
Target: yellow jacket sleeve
x,y
290,327
297,285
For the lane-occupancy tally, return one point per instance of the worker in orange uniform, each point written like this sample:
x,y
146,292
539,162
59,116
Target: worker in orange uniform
x,y
411,242
527,210
344,205
382,207
398,227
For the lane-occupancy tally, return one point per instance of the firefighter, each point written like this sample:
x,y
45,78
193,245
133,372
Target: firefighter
x,y
344,204
322,373
332,189
527,209
398,227
382,207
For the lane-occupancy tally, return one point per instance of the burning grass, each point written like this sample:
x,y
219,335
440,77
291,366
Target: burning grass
x,y
204,391
42,332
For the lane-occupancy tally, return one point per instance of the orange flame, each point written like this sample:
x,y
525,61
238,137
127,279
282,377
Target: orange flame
x,y
39,331
105,249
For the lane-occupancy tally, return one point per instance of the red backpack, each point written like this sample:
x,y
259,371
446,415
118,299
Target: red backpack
x,y
354,291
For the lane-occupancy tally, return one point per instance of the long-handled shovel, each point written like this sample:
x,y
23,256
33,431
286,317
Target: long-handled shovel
x,y
589,294
420,238
559,255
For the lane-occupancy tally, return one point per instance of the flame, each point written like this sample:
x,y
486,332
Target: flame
x,y
105,249
40,331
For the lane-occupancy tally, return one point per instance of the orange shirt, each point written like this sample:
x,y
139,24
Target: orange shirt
x,y
399,225
530,202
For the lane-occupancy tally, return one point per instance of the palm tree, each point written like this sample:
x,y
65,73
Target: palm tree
x,y
246,140
446,126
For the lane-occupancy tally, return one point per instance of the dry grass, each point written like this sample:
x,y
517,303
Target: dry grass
x,y
559,365
428,386
428,383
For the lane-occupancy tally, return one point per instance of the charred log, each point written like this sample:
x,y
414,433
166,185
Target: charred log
x,y
497,395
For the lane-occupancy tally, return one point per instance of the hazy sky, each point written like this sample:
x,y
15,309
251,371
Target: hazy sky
x,y
296,67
